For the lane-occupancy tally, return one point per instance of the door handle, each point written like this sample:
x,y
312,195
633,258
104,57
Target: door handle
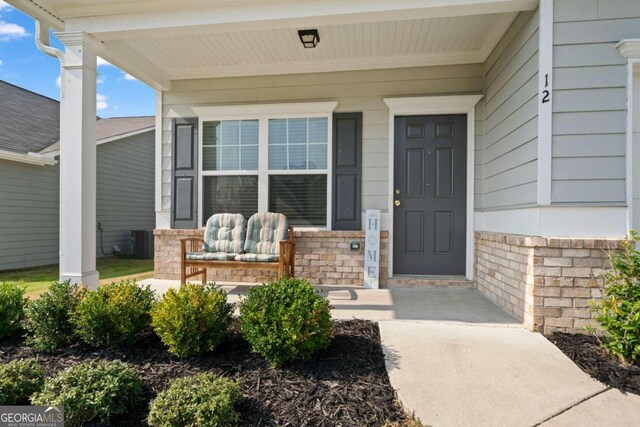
x,y
397,202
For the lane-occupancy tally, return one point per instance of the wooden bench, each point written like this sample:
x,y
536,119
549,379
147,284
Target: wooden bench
x,y
283,262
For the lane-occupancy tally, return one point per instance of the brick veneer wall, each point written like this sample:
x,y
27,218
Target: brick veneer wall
x,y
545,282
324,257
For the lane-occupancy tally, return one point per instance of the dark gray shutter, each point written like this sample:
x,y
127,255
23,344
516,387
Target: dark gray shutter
x,y
184,203
347,171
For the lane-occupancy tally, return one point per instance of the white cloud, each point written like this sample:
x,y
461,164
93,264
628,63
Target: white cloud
x,y
101,102
4,5
1,62
58,82
128,76
102,62
100,79
10,31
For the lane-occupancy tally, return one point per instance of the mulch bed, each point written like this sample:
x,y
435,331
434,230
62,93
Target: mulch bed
x,y
585,351
345,385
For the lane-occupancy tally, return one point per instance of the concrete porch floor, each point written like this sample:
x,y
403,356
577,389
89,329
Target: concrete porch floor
x,y
456,359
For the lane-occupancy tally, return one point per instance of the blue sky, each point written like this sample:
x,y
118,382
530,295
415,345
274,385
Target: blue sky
x,y
22,64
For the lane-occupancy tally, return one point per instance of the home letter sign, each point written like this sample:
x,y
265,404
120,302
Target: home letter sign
x,y
372,249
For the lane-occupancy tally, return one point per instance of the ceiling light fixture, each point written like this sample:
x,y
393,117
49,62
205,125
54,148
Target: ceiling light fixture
x,y
309,38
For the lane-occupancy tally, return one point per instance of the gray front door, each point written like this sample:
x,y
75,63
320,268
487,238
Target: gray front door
x,y
430,186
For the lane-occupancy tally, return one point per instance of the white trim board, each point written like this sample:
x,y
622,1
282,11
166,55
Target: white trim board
x,y
630,49
556,221
545,101
436,105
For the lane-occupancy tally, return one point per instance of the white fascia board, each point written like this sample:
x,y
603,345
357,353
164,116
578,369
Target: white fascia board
x,y
110,139
264,15
29,158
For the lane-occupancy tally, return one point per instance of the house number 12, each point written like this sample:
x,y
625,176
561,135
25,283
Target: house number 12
x,y
546,95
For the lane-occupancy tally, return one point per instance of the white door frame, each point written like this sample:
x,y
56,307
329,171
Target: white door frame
x,y
436,105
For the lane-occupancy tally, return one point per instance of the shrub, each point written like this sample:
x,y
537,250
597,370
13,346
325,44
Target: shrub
x,y
202,400
94,390
114,315
12,305
49,317
193,319
619,310
19,379
285,320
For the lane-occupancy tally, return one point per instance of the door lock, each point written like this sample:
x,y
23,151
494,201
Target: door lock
x,y
397,191
397,202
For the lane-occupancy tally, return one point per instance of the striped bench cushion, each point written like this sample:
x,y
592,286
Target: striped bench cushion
x,y
264,232
225,233
211,256
257,258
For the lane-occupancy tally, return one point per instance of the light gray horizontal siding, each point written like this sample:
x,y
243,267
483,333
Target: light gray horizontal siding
x,y
507,150
589,99
29,217
125,194
354,90
29,202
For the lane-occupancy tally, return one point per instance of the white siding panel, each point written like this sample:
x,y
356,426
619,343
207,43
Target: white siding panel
x,y
589,119
509,150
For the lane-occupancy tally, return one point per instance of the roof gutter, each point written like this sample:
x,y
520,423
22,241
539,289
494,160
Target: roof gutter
x,y
30,158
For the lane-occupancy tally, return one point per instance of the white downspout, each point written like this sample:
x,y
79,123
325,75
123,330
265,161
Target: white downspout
x,y
42,42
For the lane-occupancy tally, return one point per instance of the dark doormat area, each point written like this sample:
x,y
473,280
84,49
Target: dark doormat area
x,y
346,385
585,351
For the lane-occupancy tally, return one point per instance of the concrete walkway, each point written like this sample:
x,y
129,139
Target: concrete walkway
x,y
456,359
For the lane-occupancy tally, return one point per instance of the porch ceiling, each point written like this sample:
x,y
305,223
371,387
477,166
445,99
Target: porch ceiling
x,y
162,40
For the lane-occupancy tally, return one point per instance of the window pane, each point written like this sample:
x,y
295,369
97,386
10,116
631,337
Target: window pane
x,y
277,157
230,132
297,156
209,158
230,194
297,131
249,132
306,140
222,141
318,130
302,198
318,156
230,158
249,157
209,133
277,131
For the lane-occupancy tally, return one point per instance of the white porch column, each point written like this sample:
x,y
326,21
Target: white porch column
x,y
78,161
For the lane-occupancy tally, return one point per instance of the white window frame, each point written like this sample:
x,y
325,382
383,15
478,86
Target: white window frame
x,y
263,113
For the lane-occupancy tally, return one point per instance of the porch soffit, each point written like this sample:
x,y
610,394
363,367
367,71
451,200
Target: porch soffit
x,y
155,42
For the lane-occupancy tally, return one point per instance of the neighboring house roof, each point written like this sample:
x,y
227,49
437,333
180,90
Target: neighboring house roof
x,y
28,122
30,126
114,128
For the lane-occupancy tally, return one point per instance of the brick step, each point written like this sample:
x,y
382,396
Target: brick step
x,y
429,282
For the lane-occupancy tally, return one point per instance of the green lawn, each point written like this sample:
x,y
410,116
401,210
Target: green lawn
x,y
38,279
